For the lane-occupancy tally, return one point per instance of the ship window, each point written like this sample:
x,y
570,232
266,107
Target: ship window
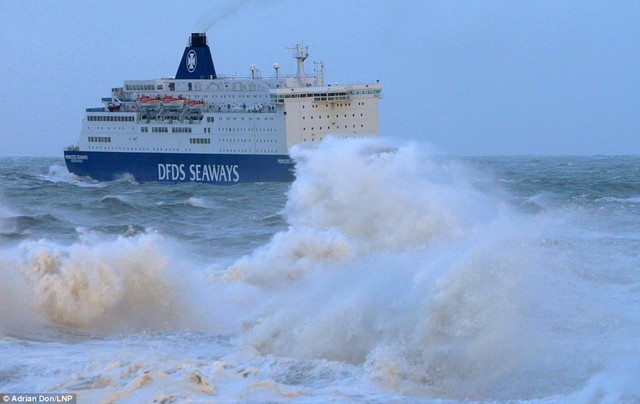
x,y
100,139
198,140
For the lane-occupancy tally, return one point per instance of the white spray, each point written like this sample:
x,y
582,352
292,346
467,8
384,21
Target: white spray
x,y
396,262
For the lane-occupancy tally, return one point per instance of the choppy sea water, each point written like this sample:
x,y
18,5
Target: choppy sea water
x,y
382,274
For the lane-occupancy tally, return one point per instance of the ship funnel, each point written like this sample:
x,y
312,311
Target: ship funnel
x,y
196,62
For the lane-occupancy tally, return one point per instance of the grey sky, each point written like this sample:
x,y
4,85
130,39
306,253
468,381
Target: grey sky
x,y
466,77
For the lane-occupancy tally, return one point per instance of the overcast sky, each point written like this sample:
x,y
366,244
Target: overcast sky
x,y
466,77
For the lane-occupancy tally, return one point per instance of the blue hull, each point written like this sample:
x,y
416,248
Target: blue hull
x,y
222,169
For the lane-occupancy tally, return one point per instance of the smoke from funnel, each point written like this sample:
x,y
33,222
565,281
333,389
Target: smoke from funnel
x,y
225,11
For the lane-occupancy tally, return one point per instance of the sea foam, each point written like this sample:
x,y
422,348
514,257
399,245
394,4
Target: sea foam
x,y
92,285
398,263
395,267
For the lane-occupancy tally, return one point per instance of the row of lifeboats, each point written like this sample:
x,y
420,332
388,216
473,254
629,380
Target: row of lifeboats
x,y
168,102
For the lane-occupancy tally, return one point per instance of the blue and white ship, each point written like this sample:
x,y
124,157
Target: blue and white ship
x,y
202,127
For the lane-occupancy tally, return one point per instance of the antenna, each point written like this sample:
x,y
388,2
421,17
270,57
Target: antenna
x,y
301,53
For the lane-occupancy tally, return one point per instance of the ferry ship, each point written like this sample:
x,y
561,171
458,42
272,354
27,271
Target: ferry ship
x,y
201,127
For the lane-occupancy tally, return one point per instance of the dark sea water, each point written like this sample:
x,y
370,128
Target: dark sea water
x,y
382,274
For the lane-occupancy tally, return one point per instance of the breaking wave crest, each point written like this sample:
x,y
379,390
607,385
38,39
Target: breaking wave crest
x,y
123,284
60,174
394,264
398,263
357,198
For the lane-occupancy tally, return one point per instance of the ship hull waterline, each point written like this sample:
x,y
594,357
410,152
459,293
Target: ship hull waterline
x,y
219,169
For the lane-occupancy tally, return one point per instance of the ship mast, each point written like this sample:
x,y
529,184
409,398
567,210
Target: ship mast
x,y
302,53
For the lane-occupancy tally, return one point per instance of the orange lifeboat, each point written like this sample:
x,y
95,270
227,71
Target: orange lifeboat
x,y
149,102
195,104
173,102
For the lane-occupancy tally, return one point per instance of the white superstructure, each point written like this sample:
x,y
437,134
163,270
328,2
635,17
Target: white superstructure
x,y
202,127
252,115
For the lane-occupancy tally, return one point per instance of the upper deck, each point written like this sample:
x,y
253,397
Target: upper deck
x,y
204,91
230,114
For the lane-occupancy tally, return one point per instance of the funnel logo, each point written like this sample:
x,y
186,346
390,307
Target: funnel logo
x,y
192,61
